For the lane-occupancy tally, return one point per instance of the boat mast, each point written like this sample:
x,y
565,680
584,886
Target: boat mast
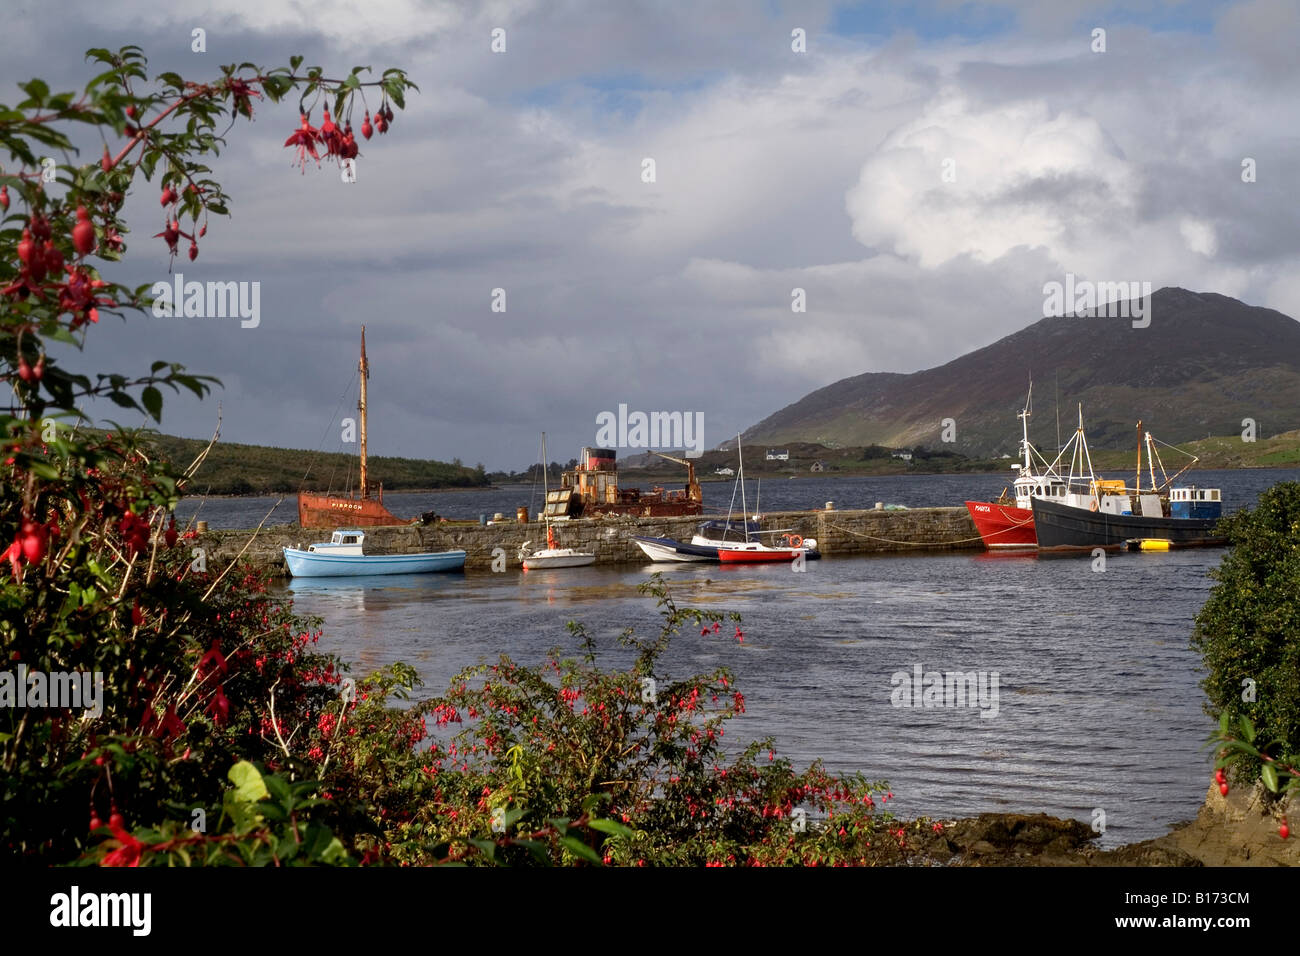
x,y
364,368
545,492
1024,421
1139,467
744,509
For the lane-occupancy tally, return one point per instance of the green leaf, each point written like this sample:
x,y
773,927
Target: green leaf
x,y
1224,722
1247,729
36,89
278,789
295,62
581,850
612,827
486,847
153,402
1268,773
249,785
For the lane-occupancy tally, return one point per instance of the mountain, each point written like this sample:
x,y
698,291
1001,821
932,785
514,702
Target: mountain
x,y
1203,364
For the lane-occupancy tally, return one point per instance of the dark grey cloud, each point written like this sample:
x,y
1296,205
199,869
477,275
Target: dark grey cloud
x,y
522,171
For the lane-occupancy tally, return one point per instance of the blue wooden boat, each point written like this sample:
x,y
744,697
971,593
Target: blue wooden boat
x,y
343,556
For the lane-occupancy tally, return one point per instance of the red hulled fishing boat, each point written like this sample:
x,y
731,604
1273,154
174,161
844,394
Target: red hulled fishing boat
x,y
1008,522
363,511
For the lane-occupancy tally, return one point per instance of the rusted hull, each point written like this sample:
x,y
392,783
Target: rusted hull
x,y
337,511
643,509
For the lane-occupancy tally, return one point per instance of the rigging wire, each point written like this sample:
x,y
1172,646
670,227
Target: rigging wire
x,y
330,424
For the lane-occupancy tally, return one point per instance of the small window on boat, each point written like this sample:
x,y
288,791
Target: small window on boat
x,y
349,539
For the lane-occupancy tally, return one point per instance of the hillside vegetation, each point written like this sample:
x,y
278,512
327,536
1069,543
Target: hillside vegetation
x,y
234,469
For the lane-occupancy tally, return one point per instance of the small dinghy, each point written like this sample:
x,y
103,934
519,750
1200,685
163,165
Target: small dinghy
x,y
344,556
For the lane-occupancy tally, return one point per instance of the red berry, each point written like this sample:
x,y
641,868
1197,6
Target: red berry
x,y
130,111
1223,789
115,820
24,370
203,230
366,129
99,761
194,250
4,198
83,233
38,370
95,823
1284,831
107,162
1219,777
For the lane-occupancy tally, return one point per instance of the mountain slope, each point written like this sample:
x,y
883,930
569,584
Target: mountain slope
x,y
1204,363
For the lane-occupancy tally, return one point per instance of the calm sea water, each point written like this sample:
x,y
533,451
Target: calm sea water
x,y
915,491
1098,703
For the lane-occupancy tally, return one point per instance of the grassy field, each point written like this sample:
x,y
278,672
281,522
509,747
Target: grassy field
x,y
1219,451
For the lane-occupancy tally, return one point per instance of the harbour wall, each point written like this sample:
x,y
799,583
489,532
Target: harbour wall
x,y
611,539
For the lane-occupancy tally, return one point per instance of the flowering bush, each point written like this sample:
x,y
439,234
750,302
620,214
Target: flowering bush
x,y
193,664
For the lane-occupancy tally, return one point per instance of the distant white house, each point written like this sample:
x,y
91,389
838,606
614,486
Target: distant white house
x,y
904,455
724,471
775,455
818,465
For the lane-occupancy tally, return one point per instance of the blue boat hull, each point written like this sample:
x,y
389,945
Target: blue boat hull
x,y
312,564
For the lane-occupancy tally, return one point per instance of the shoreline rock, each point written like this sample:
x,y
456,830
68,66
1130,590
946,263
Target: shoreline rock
x,y
1237,830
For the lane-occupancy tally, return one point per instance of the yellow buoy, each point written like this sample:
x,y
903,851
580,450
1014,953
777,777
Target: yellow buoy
x,y
1154,544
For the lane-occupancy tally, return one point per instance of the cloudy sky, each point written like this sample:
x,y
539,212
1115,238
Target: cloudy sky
x,y
919,171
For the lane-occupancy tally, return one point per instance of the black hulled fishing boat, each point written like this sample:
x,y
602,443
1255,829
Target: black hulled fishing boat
x,y
1109,514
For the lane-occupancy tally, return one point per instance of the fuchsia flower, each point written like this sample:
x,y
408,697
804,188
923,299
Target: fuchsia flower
x,y
305,137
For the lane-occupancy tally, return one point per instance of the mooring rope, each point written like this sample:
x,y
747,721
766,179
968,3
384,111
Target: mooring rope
x,y
912,544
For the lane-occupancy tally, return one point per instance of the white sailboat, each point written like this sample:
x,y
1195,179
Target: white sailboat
x,y
551,556
754,552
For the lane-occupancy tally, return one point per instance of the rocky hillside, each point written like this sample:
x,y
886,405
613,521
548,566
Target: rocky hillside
x,y
1205,363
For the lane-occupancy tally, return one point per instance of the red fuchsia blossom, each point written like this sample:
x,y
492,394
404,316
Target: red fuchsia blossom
x,y
83,233
305,138
219,708
213,660
128,854
330,135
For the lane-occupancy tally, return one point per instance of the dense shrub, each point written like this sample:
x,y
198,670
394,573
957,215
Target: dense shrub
x,y
1249,634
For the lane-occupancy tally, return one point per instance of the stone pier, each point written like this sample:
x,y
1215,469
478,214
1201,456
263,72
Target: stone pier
x,y
836,532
